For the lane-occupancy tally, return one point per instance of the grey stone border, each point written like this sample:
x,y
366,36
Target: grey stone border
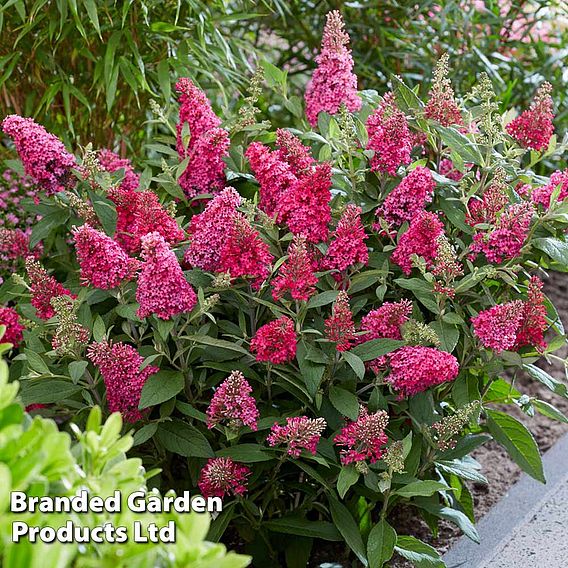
x,y
514,509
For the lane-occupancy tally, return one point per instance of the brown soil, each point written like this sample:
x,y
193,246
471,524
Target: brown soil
x,y
497,467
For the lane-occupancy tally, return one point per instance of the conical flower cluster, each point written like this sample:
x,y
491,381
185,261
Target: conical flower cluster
x,y
333,82
162,290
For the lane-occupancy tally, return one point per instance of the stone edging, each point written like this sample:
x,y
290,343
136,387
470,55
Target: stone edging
x,y
516,507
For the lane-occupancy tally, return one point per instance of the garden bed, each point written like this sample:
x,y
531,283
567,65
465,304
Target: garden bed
x,y
496,465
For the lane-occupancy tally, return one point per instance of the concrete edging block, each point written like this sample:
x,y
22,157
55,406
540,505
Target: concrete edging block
x,y
516,508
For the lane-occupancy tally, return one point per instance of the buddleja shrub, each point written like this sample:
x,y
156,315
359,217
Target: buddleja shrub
x,y
318,325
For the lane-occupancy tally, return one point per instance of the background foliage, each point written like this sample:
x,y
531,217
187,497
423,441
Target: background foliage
x,y
87,69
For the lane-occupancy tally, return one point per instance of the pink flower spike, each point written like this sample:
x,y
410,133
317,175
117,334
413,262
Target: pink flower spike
x,y
364,439
207,145
386,322
447,169
208,230
420,239
339,327
411,196
275,342
232,403
195,111
274,175
223,476
306,207
333,82
542,195
510,326
140,213
347,246
162,288
44,156
292,151
119,365
111,162
103,263
244,253
297,274
43,288
442,106
414,369
389,137
507,239
533,323
10,319
497,327
300,433
533,128
205,172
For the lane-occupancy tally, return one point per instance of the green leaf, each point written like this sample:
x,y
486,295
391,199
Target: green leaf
x,y
355,363
348,528
460,144
77,369
406,98
106,213
164,327
298,551
128,311
455,213
548,381
455,516
547,409
220,524
47,391
380,545
422,290
422,407
312,373
461,469
448,334
159,387
555,248
111,88
419,553
188,410
345,402
465,389
181,438
36,363
302,527
376,348
364,280
323,299
46,224
465,445
145,433
213,342
518,442
348,476
164,79
99,330
274,76
246,453
111,46
422,489
91,7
